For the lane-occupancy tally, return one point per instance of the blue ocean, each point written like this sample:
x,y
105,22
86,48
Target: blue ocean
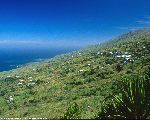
x,y
11,58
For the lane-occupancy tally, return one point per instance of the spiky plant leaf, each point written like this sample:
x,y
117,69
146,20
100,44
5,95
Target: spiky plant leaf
x,y
133,103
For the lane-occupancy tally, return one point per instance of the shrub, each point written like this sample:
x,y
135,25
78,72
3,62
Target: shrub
x,y
72,112
118,67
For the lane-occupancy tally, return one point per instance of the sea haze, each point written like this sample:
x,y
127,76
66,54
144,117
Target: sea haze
x,y
11,58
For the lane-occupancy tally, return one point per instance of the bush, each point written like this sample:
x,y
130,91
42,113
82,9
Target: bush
x,y
73,112
118,67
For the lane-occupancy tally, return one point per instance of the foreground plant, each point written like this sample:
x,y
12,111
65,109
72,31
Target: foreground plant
x,y
133,103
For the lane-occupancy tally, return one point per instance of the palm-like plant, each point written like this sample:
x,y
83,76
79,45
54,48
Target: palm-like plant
x,y
133,103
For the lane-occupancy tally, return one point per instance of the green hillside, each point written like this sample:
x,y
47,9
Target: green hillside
x,y
87,77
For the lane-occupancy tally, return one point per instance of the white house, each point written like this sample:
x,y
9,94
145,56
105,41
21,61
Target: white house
x,y
20,83
89,64
111,52
21,80
29,77
118,56
98,53
11,98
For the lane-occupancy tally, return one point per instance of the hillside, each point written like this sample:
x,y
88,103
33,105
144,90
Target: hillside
x,y
87,77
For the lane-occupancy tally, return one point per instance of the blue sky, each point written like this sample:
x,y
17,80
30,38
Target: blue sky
x,y
69,22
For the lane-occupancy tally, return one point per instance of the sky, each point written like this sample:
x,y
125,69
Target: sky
x,y
67,23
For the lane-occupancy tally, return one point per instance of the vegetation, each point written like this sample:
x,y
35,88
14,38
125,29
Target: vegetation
x,y
73,112
86,77
133,103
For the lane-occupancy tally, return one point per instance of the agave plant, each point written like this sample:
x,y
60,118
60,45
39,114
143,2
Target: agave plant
x,y
133,103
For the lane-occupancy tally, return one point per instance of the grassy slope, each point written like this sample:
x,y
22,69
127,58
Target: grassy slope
x,y
83,76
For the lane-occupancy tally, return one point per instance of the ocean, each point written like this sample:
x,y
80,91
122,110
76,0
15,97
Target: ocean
x,y
11,58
